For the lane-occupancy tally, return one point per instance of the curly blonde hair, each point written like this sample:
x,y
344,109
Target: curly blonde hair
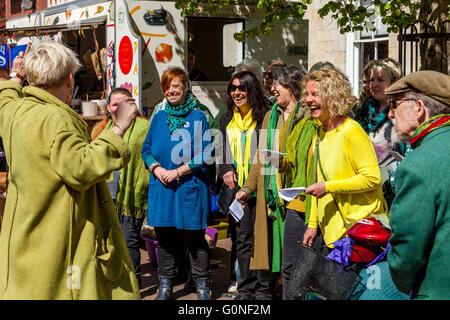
x,y
335,91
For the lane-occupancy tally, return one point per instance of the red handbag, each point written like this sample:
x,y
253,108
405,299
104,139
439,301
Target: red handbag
x,y
370,237
369,232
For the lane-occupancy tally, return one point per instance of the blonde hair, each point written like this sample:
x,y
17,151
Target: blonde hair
x,y
389,67
335,91
49,63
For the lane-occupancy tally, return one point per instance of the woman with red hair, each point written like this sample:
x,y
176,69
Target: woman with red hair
x,y
174,152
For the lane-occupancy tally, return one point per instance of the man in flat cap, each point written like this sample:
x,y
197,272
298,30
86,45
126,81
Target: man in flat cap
x,y
419,258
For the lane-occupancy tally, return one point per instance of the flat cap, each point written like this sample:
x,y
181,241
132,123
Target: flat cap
x,y
433,84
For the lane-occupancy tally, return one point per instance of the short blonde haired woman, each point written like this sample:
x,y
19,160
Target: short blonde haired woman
x,y
48,64
60,238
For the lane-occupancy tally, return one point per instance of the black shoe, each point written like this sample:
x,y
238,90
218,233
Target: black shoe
x,y
203,292
189,286
165,291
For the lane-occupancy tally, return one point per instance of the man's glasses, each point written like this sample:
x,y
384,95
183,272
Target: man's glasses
x,y
240,87
393,103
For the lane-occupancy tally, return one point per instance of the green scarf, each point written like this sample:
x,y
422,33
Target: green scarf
x,y
176,114
275,207
132,191
297,146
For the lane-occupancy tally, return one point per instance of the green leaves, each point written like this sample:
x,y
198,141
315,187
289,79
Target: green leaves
x,y
350,15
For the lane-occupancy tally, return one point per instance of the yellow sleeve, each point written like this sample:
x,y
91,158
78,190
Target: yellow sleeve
x,y
363,159
313,221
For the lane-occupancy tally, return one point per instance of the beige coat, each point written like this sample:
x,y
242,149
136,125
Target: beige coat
x,y
255,182
60,238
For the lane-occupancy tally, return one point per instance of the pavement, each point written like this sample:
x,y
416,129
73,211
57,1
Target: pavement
x,y
220,275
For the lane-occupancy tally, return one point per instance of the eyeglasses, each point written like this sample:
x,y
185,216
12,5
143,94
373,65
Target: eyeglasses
x,y
240,87
268,74
393,103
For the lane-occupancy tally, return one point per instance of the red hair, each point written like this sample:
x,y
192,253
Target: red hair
x,y
172,73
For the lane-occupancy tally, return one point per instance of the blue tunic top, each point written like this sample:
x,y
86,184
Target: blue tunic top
x,y
183,204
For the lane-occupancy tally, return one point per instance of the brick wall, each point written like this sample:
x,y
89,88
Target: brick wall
x,y
2,14
13,9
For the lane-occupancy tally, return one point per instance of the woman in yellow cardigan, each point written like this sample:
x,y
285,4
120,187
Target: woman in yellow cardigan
x,y
350,171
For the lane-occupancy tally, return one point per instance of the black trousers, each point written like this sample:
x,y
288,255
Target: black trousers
x,y
131,228
250,284
294,229
169,242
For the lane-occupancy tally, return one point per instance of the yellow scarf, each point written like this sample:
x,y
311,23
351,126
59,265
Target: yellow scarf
x,y
239,132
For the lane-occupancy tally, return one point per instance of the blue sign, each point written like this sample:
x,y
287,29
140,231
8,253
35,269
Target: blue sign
x,y
14,51
4,56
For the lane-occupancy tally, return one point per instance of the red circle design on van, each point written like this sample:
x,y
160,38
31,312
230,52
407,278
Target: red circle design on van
x,y
125,55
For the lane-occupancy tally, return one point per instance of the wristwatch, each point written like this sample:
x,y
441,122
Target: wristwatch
x,y
15,74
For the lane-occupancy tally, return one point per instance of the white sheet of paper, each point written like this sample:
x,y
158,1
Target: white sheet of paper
x,y
396,155
289,194
236,210
271,155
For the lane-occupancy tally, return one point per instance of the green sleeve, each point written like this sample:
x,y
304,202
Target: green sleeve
x,y
9,91
81,164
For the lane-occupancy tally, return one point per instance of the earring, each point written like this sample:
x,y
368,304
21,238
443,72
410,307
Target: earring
x,y
109,115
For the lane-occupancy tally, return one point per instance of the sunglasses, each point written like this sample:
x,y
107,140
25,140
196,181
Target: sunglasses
x,y
268,74
393,103
240,87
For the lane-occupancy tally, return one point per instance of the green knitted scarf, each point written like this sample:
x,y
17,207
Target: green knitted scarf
x,y
176,114
297,146
275,207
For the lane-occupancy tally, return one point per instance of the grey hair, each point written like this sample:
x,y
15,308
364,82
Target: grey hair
x,y
251,65
290,77
434,107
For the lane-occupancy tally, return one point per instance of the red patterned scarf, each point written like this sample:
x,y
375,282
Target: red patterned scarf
x,y
441,120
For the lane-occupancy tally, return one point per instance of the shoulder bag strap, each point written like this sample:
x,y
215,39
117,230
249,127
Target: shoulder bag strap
x,y
346,225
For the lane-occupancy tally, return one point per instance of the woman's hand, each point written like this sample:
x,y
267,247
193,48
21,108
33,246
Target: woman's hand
x,y
160,173
19,65
309,236
318,189
241,196
125,113
229,179
170,176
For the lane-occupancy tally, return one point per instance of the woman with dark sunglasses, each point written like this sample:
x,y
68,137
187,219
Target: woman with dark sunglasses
x,y
278,224
240,127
